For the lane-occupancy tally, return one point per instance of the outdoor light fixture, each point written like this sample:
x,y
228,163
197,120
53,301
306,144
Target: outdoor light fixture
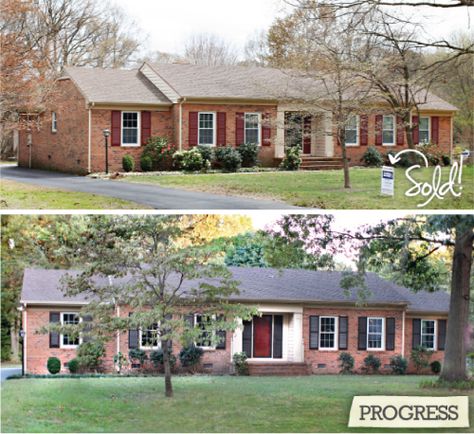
x,y
106,133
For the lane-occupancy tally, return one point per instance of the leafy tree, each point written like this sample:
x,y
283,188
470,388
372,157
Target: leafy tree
x,y
247,250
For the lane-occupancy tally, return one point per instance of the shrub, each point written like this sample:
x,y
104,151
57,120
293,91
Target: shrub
x,y
137,355
207,153
146,163
249,154
372,364
432,152
435,367
421,357
240,363
89,355
73,366
346,363
406,160
190,161
157,358
228,159
446,160
160,152
53,365
120,361
190,357
128,163
292,160
398,365
372,157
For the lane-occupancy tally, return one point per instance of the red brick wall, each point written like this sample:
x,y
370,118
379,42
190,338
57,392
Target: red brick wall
x,y
65,150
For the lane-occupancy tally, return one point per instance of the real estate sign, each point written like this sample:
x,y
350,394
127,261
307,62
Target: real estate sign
x,y
388,181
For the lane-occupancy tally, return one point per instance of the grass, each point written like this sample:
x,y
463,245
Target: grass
x,y
201,403
321,189
17,195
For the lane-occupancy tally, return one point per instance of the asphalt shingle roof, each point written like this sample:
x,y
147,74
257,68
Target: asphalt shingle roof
x,y
264,285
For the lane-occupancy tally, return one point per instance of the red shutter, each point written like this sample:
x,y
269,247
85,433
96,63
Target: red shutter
x,y
307,134
435,130
378,130
146,127
364,130
266,130
416,130
116,128
193,128
221,129
239,128
400,132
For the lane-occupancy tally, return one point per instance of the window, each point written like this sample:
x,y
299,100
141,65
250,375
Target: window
x,y
352,131
375,333
69,318
130,129
252,128
54,122
428,334
149,337
327,334
388,130
424,130
201,321
207,129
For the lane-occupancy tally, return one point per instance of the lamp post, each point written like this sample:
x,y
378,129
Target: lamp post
x,y
106,133
22,336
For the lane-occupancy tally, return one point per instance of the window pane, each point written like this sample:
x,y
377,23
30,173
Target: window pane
x,y
327,332
375,325
251,136
375,341
424,124
351,136
70,319
206,137
352,123
251,121
428,327
388,136
424,136
150,336
427,341
388,122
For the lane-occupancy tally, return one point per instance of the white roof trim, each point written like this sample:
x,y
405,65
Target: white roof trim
x,y
151,74
56,303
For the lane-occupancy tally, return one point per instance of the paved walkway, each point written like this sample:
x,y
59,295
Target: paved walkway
x,y
151,195
8,372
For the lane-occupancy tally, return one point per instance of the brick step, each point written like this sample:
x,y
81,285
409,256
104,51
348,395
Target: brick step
x,y
278,369
321,167
321,159
321,163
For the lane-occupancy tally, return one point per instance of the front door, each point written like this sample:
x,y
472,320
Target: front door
x,y
262,336
298,131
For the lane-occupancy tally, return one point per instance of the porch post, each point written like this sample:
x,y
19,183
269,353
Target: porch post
x,y
236,343
298,337
328,132
280,133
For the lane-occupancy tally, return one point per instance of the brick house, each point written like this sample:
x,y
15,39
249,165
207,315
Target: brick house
x,y
212,106
306,321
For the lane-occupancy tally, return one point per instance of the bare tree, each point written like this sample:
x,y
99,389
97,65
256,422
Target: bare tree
x,y
208,49
256,50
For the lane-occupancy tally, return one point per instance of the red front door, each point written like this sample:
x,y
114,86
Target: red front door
x,y
307,135
262,336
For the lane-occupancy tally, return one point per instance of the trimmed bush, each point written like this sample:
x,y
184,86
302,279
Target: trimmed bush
x,y
435,367
421,358
160,151
73,366
292,160
146,163
228,159
372,157
190,161
398,365
207,153
372,364
240,363
346,363
53,365
446,160
137,355
157,359
249,154
190,357
128,163
89,355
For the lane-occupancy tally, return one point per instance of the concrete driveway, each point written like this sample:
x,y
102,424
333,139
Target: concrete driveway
x,y
150,195
8,372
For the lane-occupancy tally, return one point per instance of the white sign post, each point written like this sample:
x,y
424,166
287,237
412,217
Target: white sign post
x,y
388,181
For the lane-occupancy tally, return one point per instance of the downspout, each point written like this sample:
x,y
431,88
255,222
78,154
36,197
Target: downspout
x,y
89,140
183,100
451,148
403,333
118,332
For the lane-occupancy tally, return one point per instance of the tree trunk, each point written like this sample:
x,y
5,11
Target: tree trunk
x,y
341,138
454,366
166,365
408,131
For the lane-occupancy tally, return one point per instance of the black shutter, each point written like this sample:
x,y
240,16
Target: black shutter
x,y
343,330
278,337
222,335
189,319
441,334
416,333
133,337
313,332
87,328
247,338
54,317
390,334
362,333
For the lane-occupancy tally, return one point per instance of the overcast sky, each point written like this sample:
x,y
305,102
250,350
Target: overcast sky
x,y
168,23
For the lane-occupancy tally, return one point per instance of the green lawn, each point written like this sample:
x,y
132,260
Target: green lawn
x,y
321,189
201,403
17,195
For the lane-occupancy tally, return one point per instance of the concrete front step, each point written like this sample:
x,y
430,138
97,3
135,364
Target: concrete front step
x,y
278,369
321,163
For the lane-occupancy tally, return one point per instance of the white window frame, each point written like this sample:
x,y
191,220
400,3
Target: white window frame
x,y
435,334
214,128
207,348
131,145
54,122
142,347
61,335
336,333
357,142
429,128
382,348
259,127
394,130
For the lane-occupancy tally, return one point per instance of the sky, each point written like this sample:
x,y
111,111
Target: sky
x,y
167,24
